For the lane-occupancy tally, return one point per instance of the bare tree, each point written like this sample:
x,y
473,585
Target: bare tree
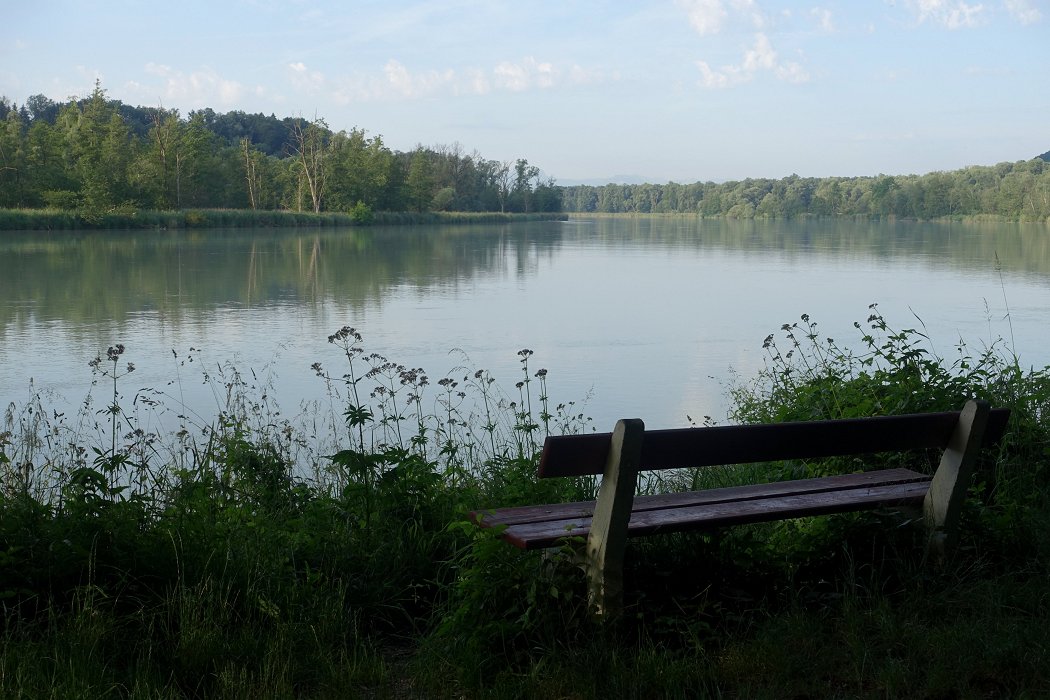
x,y
309,149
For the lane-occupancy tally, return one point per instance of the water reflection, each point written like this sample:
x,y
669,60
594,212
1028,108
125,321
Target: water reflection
x,y
650,314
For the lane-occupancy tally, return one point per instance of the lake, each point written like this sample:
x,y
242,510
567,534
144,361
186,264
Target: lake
x,y
646,317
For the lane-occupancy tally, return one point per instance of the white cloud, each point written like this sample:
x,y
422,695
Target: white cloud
x,y
761,57
752,12
710,16
1023,11
705,16
710,78
526,74
397,81
414,85
791,73
198,89
305,79
823,17
953,14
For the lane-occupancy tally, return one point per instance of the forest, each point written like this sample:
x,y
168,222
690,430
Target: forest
x,y
97,156
1012,191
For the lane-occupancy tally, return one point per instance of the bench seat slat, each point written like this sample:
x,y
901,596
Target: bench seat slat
x,y
535,527
538,535
584,509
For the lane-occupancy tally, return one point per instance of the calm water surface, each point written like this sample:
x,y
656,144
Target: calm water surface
x,y
632,317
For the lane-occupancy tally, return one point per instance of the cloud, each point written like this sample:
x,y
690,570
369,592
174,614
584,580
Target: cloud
x,y
952,14
403,83
305,79
200,88
397,81
525,75
705,16
710,16
761,57
1023,11
751,11
823,17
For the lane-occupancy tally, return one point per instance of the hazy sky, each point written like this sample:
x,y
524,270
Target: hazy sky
x,y
680,90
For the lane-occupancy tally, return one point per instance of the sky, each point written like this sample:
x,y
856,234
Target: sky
x,y
671,90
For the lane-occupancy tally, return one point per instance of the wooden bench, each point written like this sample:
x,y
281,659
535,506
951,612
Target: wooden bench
x,y
619,456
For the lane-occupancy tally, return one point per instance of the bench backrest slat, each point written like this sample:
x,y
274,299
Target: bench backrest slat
x,y
580,455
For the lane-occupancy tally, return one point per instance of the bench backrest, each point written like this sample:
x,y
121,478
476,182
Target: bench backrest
x,y
581,455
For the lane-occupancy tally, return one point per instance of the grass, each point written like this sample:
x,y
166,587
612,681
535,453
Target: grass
x,y
222,562
67,220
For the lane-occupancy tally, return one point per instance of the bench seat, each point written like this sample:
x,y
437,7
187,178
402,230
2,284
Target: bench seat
x,y
538,527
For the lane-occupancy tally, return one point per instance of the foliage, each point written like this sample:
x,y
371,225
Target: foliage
x,y
1011,191
99,157
231,560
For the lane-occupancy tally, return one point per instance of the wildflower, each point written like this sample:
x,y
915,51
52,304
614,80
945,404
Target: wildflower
x,y
541,373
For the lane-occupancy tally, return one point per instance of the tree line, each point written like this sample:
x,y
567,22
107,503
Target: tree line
x,y
1016,191
96,156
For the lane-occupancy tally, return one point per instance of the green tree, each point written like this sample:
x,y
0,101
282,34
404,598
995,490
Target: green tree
x,y
523,176
101,150
157,171
420,183
13,147
361,169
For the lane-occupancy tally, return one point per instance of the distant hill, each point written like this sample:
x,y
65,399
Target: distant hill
x,y
1045,156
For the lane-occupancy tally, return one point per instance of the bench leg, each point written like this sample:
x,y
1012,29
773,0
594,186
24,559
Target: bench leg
x,y
612,513
952,479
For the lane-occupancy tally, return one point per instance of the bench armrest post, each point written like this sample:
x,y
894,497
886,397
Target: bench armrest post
x,y
612,513
952,479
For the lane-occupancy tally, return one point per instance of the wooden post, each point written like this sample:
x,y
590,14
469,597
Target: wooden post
x,y
612,513
952,479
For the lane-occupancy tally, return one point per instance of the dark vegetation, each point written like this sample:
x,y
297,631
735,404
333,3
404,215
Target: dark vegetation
x,y
253,557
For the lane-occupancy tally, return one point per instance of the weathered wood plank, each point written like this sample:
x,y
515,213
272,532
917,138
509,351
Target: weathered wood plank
x,y
584,509
704,516
580,455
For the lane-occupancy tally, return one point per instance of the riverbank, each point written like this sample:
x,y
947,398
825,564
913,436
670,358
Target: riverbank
x,y
68,220
201,564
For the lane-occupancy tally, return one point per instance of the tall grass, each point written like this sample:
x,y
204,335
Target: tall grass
x,y
221,560
255,557
63,220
